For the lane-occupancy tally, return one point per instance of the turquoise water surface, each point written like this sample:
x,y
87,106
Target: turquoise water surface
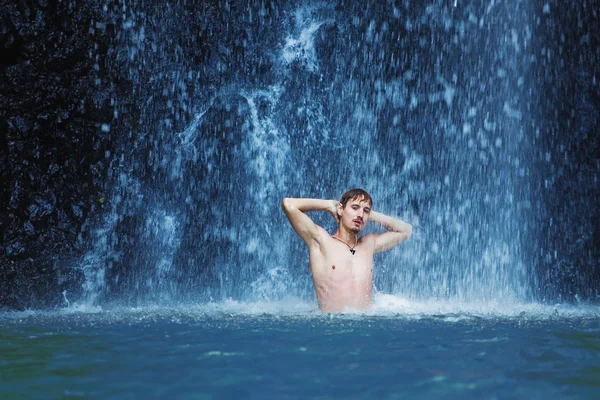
x,y
235,350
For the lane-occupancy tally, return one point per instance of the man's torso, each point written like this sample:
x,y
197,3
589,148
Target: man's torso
x,y
342,279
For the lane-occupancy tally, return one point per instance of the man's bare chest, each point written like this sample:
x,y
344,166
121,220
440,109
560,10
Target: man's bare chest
x,y
343,265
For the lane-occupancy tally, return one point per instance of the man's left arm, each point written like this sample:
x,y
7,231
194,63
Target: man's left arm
x,y
397,231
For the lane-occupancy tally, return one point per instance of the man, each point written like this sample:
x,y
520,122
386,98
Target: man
x,y
342,263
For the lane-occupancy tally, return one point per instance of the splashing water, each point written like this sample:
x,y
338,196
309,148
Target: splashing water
x,y
424,108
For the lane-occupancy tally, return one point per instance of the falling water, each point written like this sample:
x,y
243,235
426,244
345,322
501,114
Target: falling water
x,y
428,107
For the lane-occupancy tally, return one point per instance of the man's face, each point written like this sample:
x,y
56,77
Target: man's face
x,y
355,215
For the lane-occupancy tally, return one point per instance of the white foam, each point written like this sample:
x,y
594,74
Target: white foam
x,y
384,305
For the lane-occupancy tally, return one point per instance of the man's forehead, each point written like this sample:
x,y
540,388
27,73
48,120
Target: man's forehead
x,y
360,201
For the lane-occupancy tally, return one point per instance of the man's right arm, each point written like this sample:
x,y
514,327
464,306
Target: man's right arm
x,y
295,210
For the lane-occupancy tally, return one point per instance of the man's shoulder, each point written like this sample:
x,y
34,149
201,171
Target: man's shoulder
x,y
369,237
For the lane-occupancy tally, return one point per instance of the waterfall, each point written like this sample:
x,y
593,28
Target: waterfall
x,y
430,108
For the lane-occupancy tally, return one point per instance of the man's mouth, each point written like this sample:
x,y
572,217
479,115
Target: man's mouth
x,y
358,222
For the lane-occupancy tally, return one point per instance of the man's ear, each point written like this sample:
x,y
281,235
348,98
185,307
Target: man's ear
x,y
339,210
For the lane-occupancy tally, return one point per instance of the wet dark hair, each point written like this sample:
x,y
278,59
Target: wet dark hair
x,y
355,194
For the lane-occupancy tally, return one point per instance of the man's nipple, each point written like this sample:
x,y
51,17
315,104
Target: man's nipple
x,y
333,267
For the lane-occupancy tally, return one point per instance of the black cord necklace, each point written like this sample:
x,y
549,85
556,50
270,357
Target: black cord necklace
x,y
351,248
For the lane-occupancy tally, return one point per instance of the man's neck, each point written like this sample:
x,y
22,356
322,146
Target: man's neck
x,y
347,236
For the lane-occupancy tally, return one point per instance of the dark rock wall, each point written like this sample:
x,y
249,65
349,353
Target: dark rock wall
x,y
53,149
567,190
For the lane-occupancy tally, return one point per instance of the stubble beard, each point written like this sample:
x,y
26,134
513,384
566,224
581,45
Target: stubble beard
x,y
354,230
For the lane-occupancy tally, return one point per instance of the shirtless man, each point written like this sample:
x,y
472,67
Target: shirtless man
x,y
342,263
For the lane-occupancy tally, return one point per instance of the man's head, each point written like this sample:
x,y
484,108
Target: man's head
x,y
354,210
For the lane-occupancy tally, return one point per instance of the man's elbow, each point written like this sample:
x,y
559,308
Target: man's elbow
x,y
286,204
408,230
